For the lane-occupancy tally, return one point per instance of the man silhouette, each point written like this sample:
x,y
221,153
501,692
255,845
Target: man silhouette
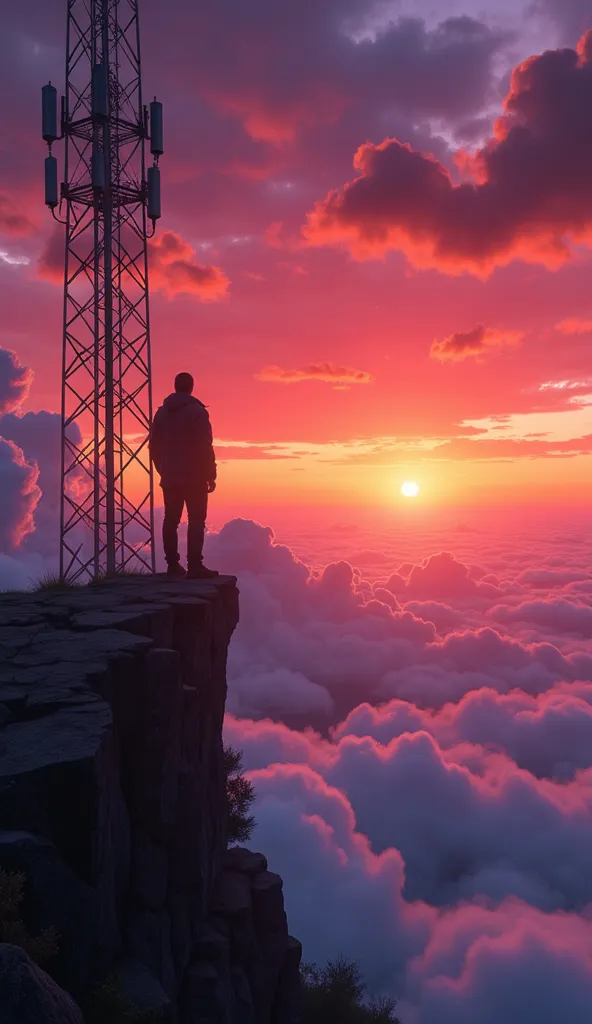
x,y
182,453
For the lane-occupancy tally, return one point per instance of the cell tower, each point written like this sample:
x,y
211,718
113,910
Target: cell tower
x,y
105,202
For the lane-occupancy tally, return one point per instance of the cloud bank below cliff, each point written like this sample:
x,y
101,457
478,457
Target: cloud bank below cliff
x,y
419,741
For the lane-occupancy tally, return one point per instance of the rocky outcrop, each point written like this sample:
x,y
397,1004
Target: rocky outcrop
x,y
28,995
112,795
246,967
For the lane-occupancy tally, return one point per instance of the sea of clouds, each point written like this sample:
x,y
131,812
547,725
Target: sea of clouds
x,y
419,735
413,699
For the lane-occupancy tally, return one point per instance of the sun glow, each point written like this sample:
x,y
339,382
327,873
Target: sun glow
x,y
410,489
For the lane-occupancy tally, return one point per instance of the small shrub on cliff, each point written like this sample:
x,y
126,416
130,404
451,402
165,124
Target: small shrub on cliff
x,y
106,1004
239,795
41,948
334,995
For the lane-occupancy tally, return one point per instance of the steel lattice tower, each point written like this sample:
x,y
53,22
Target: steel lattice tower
x,y
107,523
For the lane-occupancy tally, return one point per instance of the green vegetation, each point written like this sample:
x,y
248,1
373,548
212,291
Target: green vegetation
x,y
240,795
334,994
106,1004
41,948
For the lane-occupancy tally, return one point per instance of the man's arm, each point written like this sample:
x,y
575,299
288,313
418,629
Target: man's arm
x,y
213,474
213,469
206,448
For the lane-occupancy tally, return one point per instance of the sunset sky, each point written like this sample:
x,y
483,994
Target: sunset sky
x,y
375,257
379,218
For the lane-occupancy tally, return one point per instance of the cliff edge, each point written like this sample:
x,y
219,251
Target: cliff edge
x,y
112,800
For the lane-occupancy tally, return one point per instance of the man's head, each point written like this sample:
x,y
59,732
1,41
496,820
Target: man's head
x,y
184,383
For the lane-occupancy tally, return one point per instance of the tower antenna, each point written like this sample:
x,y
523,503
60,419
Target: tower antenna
x,y
105,201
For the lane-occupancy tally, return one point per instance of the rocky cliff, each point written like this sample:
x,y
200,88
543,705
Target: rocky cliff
x,y
112,800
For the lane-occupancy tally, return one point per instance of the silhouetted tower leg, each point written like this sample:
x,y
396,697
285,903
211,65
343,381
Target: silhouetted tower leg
x,y
107,519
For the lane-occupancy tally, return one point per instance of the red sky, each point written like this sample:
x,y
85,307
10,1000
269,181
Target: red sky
x,y
400,229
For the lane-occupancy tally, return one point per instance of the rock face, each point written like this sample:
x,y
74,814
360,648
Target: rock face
x,y
28,995
112,798
246,967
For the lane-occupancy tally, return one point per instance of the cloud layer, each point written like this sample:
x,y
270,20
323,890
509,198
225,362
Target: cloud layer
x,y
440,830
347,57
415,709
527,196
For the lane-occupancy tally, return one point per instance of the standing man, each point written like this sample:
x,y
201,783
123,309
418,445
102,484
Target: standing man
x,y
181,450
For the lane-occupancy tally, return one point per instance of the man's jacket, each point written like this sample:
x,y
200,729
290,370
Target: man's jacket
x,y
181,442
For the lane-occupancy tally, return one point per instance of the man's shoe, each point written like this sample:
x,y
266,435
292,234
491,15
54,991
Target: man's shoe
x,y
176,570
201,573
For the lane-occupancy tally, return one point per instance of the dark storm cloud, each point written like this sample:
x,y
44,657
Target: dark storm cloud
x,y
283,67
530,196
239,79
38,435
29,473
20,495
15,381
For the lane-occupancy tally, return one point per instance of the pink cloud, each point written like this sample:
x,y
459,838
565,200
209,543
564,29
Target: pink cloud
x,y
477,343
442,575
175,270
483,965
329,373
575,325
548,734
556,615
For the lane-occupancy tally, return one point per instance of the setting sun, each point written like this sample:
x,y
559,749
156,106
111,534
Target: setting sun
x,y
410,489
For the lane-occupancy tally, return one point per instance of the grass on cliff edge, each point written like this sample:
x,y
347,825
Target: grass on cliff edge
x,y
52,581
